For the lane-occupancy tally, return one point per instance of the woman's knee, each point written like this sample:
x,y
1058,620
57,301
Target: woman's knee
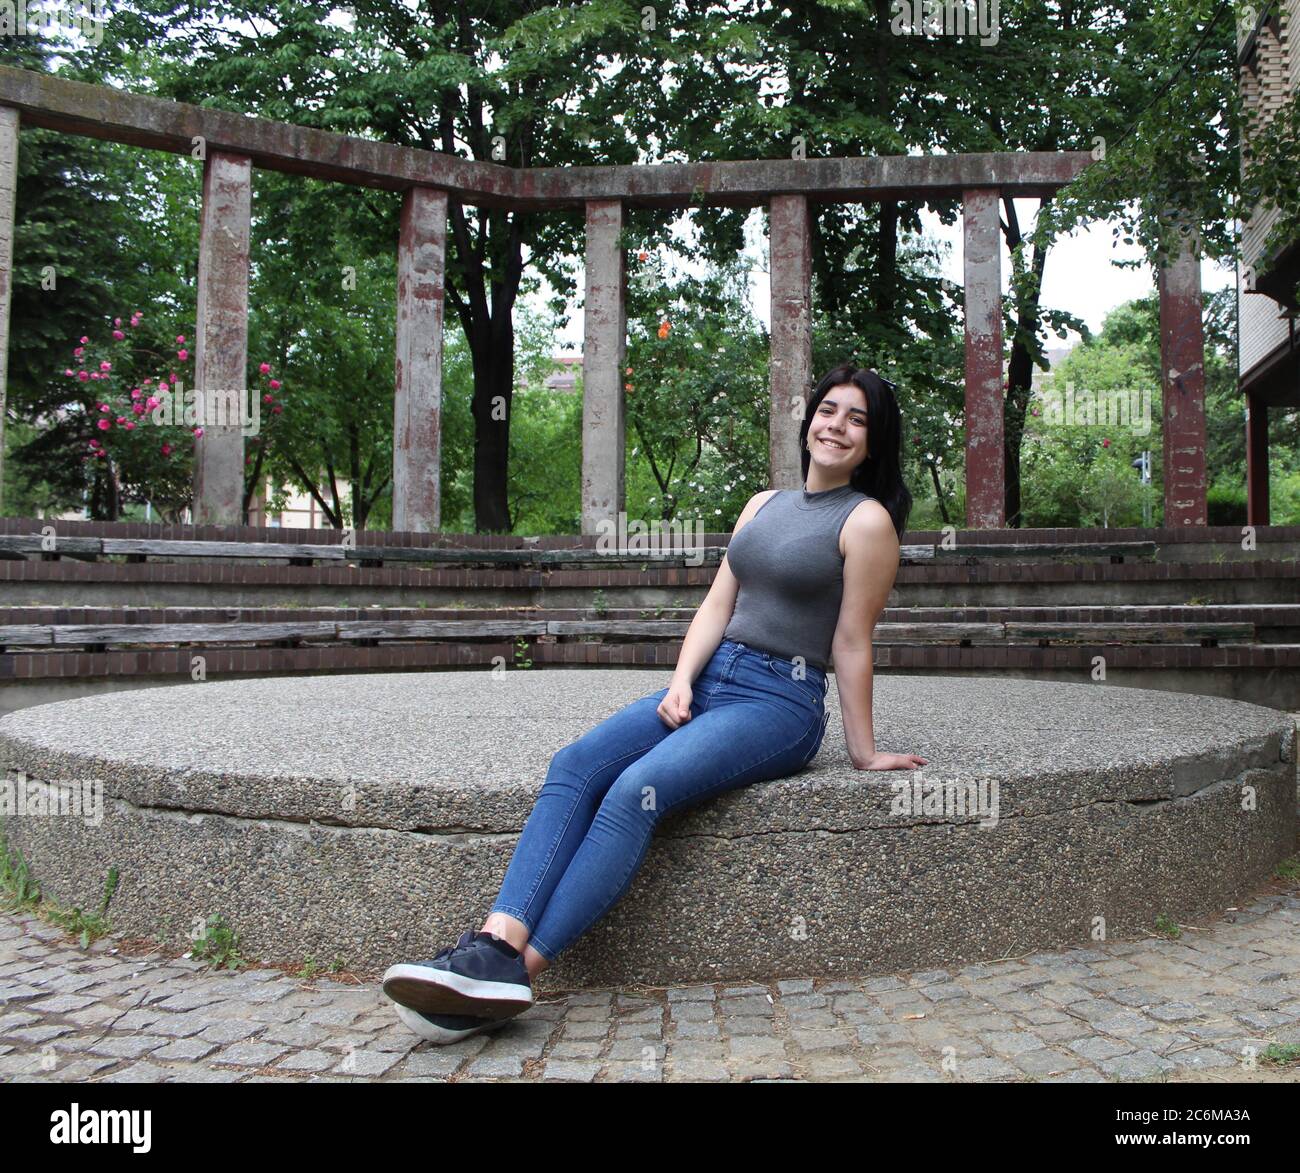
x,y
634,793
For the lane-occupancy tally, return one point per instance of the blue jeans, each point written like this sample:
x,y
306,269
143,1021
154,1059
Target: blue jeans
x,y
751,720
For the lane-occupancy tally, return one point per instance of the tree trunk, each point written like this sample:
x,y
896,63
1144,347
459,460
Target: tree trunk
x,y
1020,371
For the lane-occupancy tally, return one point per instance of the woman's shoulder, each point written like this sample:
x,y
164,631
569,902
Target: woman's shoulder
x,y
868,516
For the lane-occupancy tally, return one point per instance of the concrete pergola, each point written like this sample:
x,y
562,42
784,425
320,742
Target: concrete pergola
x,y
233,144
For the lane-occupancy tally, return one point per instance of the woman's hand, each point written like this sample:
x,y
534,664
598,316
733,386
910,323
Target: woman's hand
x,y
675,709
892,761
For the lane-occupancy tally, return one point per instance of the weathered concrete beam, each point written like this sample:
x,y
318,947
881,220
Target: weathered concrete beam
x,y
8,191
1182,381
417,404
790,371
752,182
1257,505
985,458
107,113
221,344
604,349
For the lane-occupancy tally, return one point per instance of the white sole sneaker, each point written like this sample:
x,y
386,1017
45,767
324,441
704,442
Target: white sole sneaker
x,y
440,991
443,1029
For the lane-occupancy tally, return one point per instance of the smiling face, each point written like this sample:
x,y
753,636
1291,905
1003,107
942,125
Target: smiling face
x,y
837,434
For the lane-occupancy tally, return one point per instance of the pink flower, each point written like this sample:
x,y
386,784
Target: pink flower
x,y
84,340
180,339
145,382
265,368
69,372
135,393
277,409
101,452
129,425
274,384
198,431
166,449
117,321
104,425
268,398
172,377
79,351
121,419
92,375
118,333
103,407
106,365
1105,443
94,443
152,401
182,355
138,408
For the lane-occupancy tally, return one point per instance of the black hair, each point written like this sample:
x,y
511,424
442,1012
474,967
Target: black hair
x,y
880,475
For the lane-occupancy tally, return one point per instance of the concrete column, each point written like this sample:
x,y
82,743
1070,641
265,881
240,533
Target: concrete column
x,y
603,354
1182,383
417,404
1256,461
790,373
8,191
221,344
985,452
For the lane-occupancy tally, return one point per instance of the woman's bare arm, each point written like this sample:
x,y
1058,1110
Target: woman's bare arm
x,y
870,566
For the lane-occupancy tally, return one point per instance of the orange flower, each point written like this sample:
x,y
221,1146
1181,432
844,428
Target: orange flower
x,y
627,386
628,371
664,328
643,255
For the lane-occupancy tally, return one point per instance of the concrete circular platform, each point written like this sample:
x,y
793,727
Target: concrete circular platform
x,y
371,818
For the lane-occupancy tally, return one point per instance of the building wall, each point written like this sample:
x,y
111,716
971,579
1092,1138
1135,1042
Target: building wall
x,y
1264,90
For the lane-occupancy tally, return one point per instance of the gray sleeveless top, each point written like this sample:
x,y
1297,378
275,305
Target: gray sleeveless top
x,y
787,561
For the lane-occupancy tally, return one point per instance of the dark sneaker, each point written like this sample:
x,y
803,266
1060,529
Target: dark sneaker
x,y
442,1029
480,975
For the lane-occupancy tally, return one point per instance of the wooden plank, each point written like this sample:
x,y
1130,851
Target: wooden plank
x,y
1159,633
936,633
438,629
159,548
655,628
27,634
35,544
190,633
1032,551
459,556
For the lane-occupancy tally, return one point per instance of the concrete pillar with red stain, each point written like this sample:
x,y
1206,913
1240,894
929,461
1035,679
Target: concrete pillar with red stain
x,y
985,454
790,372
603,358
1182,384
8,191
417,401
1256,461
221,344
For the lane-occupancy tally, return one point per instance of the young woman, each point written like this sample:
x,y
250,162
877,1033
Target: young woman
x,y
805,578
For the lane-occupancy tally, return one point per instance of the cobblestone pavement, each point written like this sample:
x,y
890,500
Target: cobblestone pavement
x,y
1197,1008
